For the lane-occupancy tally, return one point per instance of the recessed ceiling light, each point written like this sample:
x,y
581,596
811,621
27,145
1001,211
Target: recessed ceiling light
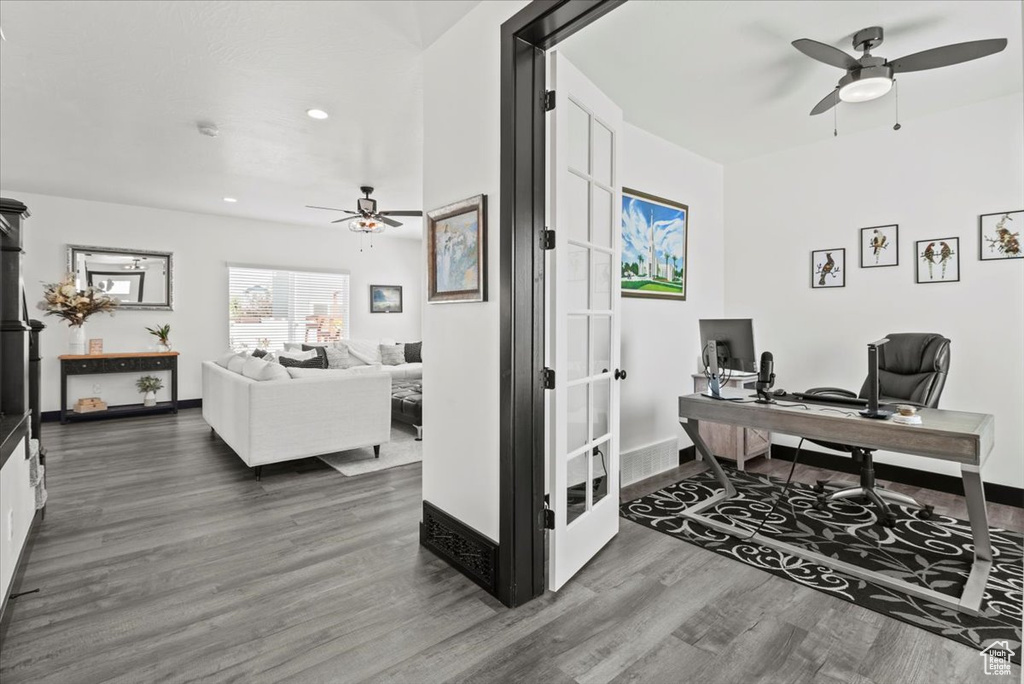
x,y
232,200
316,113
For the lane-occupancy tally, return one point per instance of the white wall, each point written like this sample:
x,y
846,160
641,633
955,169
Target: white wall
x,y
660,340
202,245
461,156
933,178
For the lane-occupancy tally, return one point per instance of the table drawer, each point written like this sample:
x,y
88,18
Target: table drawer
x,y
84,366
120,365
156,363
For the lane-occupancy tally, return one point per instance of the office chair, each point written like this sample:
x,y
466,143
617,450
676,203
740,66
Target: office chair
x,y
912,369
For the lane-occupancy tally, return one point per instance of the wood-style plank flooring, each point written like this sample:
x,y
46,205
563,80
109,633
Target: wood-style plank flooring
x,y
162,559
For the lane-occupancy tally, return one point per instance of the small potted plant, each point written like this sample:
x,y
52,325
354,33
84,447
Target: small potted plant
x,y
149,384
163,334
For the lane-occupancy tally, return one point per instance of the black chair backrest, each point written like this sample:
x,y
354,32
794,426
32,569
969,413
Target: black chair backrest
x,y
912,367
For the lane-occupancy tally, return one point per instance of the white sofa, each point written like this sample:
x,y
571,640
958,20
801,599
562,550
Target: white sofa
x,y
367,352
269,421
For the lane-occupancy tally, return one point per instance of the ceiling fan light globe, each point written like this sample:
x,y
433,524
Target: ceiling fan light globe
x,y
866,89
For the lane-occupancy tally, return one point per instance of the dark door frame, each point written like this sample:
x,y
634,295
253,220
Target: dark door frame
x,y
524,38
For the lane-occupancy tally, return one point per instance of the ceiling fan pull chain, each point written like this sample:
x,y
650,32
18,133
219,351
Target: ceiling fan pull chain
x,y
835,118
896,87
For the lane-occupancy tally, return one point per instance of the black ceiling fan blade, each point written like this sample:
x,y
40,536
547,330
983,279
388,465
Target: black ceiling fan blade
x,y
948,55
825,53
827,103
401,213
389,222
347,211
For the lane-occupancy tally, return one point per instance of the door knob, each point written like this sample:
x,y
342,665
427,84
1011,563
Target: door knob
x,y
620,374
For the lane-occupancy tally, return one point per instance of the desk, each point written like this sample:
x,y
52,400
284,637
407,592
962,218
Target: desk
x,y
734,442
964,438
133,362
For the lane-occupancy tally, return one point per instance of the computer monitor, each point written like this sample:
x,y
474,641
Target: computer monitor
x,y
734,340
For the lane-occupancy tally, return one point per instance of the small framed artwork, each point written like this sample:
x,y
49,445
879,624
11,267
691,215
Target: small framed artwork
x,y
385,299
880,246
96,345
999,235
457,252
654,232
828,268
938,260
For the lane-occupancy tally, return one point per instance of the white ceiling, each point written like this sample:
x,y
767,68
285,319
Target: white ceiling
x,y
101,101
722,80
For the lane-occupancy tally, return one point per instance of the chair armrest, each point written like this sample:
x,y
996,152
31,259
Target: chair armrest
x,y
832,390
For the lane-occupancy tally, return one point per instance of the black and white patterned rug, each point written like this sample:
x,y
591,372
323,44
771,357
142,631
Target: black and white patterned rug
x,y
935,553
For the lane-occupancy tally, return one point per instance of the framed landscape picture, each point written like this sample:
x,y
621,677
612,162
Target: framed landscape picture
x,y
385,299
828,268
457,252
880,246
999,235
654,233
938,260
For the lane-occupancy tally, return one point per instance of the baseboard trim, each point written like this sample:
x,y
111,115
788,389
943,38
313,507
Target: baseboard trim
x,y
54,416
465,549
19,574
994,493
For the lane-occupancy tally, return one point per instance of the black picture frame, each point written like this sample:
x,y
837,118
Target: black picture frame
x,y
384,306
921,246
819,280
866,241
996,244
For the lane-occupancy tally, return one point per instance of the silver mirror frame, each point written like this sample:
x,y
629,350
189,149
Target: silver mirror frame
x,y
131,306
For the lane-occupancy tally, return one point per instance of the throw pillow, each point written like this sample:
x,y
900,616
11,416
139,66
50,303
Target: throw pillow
x,y
236,362
259,353
392,354
298,355
315,361
364,350
225,359
320,351
260,370
414,352
297,373
337,355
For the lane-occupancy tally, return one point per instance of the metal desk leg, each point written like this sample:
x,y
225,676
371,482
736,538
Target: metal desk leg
x,y
977,515
692,428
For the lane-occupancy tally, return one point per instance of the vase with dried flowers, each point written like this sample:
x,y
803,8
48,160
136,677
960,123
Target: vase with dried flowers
x,y
75,306
163,334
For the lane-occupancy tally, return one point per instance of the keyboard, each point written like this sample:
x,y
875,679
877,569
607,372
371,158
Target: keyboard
x,y
831,399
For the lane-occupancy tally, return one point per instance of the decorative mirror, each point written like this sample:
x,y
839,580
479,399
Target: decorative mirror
x,y
138,278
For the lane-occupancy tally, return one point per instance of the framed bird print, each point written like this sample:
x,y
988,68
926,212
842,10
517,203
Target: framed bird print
x,y
828,268
938,260
1000,235
880,246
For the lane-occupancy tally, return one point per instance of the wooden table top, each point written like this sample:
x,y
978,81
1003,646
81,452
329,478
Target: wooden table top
x,y
947,435
121,355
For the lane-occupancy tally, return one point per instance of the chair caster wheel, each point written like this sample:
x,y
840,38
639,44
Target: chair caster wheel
x,y
889,520
820,504
926,513
820,486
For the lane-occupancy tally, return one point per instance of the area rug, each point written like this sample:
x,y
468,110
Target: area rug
x,y
935,553
403,449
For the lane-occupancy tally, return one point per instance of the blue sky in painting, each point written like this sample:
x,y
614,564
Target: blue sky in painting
x,y
644,222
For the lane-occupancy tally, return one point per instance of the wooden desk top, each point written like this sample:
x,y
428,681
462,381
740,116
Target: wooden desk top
x,y
947,435
124,355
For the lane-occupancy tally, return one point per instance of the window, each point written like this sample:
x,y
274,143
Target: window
x,y
269,307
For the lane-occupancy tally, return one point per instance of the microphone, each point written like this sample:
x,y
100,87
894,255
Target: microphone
x,y
765,378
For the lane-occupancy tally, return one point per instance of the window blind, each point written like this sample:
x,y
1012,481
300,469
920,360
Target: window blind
x,y
269,307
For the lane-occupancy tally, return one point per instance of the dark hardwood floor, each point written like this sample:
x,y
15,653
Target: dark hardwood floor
x,y
162,559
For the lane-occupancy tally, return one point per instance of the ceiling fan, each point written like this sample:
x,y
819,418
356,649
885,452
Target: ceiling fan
x,y
870,77
366,218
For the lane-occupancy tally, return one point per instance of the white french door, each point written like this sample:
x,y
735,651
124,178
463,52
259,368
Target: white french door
x,y
583,321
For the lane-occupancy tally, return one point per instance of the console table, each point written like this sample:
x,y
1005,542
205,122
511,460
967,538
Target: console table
x,y
133,362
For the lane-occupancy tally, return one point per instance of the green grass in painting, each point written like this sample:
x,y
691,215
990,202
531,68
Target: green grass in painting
x,y
649,286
